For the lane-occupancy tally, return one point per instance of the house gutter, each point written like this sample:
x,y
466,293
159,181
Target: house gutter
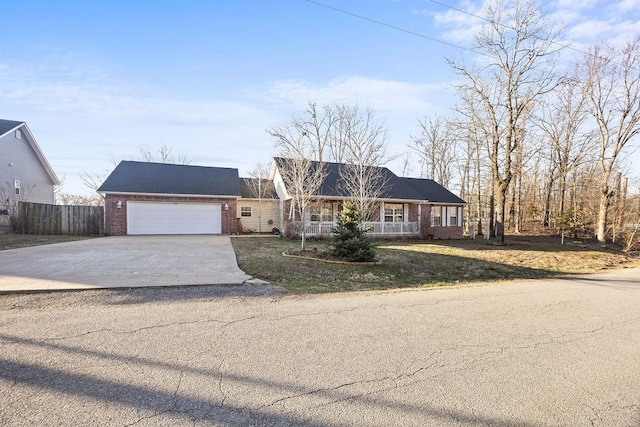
x,y
200,196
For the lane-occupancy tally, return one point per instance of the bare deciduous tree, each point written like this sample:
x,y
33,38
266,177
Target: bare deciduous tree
x,y
612,85
165,154
10,200
93,180
520,51
561,120
78,199
308,135
258,186
364,186
364,150
303,178
436,146
345,134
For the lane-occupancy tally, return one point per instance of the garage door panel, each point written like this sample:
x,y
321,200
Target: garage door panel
x,y
173,218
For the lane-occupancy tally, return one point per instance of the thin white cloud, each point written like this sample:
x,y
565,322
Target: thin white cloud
x,y
76,106
628,5
586,21
390,97
462,26
90,92
582,5
590,30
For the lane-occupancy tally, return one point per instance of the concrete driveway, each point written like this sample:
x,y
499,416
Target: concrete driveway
x,y
115,262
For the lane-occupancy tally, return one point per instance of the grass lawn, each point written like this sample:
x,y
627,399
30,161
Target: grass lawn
x,y
422,264
14,241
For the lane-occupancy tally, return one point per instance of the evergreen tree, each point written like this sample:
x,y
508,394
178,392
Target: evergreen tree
x,y
349,241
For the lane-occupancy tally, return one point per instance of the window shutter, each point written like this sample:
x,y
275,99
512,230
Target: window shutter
x,y
460,216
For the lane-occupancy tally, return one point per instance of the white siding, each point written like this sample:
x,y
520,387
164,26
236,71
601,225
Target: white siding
x,y
19,161
259,220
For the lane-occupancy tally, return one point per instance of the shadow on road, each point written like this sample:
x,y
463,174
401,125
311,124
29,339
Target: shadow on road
x,y
173,403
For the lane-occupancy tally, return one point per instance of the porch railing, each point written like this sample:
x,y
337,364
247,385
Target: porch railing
x,y
318,228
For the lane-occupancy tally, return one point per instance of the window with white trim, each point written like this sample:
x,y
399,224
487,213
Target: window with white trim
x,y
16,187
393,212
321,212
245,211
436,212
326,212
453,216
314,213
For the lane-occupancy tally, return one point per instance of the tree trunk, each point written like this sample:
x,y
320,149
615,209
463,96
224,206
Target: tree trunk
x,y
500,210
492,214
548,188
602,214
303,233
622,207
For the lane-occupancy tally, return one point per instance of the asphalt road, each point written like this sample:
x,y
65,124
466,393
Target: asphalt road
x,y
538,353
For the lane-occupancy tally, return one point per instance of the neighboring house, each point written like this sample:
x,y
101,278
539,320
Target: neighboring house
x,y
407,206
259,209
160,198
25,174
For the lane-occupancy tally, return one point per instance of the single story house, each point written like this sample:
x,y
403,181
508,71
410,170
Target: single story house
x,y
159,198
406,206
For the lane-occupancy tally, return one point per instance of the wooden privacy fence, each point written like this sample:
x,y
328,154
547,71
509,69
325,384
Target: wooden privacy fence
x,y
40,218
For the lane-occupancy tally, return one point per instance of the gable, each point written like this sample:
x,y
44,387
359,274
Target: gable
x,y
170,179
25,153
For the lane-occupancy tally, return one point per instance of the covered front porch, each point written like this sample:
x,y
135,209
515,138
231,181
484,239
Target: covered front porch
x,y
378,229
387,219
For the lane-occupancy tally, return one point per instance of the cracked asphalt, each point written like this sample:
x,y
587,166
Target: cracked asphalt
x,y
562,352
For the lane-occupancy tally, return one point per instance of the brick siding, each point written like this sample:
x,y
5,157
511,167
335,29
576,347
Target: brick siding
x,y
439,232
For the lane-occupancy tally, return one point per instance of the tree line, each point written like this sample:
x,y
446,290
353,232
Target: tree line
x,y
531,137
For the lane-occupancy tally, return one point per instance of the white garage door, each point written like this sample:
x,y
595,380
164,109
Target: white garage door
x,y
174,218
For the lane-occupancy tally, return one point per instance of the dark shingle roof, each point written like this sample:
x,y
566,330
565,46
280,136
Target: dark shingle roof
x,y
432,191
164,178
396,188
247,191
7,125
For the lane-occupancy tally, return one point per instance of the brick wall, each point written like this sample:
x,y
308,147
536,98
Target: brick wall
x,y
446,232
412,212
429,232
425,221
116,219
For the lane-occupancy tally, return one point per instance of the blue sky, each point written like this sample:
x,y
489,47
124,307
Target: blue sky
x,y
96,80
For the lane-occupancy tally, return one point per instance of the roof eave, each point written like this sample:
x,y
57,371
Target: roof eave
x,y
12,129
200,196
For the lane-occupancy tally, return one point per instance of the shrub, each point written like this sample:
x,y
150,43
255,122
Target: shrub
x,y
349,241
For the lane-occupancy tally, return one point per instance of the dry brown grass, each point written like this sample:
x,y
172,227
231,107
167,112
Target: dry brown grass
x,y
15,241
420,263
